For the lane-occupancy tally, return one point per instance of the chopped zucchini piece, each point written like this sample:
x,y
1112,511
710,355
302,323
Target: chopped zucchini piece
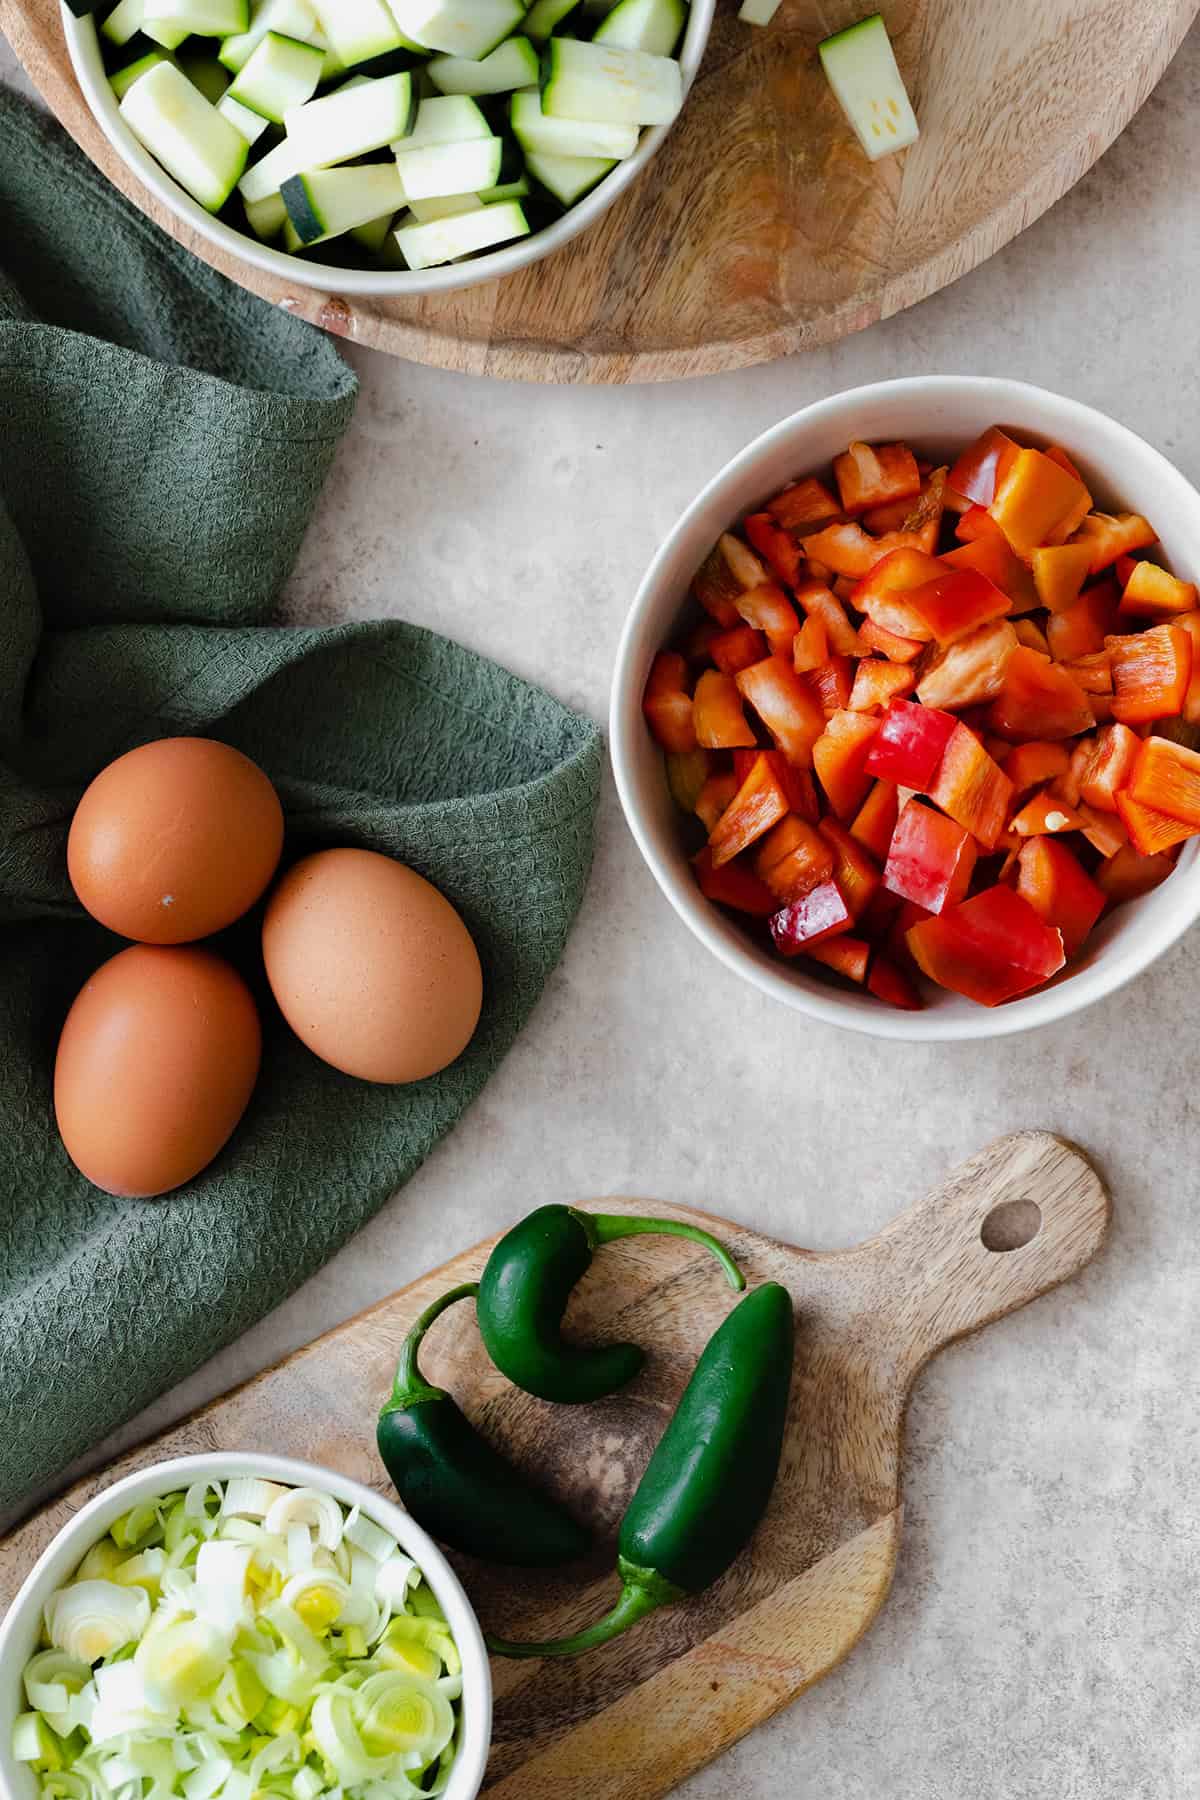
x,y
435,170
374,234
207,18
267,217
443,240
448,207
291,18
468,28
651,25
124,21
203,151
568,178
280,72
535,131
544,15
861,67
357,30
123,80
268,174
350,123
243,118
513,65
326,202
446,119
758,12
595,81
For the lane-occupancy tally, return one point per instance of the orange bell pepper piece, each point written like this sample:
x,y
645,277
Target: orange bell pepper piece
x,y
983,465
876,682
734,885
1069,782
1028,765
920,518
887,982
990,949
1190,622
954,604
1104,831
1128,875
1150,830
737,649
1036,502
831,682
1045,814
873,475
1059,572
884,594
799,789
759,803
716,794
1038,700
667,704
1081,628
1110,766
792,858
807,502
1109,535
839,758
717,711
821,913
930,859
875,820
786,705
1151,673
971,787
727,570
768,609
819,603
1057,454
1153,591
1059,890
991,556
1166,776
977,526
845,548
1093,673
970,671
848,956
873,638
777,547
810,646
855,872
1030,633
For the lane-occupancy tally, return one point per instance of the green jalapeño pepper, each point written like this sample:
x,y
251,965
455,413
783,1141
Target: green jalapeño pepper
x,y
453,1482
707,1485
524,1289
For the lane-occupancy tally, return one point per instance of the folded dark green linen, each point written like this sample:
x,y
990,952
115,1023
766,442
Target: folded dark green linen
x,y
163,437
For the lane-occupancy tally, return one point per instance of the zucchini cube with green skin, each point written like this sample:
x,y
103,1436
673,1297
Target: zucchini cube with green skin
x,y
291,18
446,119
266,218
124,21
542,135
861,66
178,126
351,122
470,28
123,80
206,18
279,73
357,30
268,174
326,202
444,240
434,170
544,15
513,65
250,124
423,212
568,178
599,81
654,26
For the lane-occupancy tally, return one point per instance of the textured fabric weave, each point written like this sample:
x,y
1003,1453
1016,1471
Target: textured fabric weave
x,y
162,439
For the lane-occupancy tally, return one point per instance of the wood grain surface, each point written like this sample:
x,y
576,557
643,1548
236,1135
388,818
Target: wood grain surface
x,y
629,1721
760,228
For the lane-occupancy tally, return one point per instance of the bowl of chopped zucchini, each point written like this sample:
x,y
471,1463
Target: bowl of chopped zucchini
x,y
387,147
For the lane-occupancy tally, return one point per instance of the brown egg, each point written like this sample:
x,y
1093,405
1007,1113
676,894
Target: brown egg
x,y
155,1065
175,840
371,966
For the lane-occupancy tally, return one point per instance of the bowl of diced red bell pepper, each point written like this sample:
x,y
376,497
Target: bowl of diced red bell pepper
x,y
906,717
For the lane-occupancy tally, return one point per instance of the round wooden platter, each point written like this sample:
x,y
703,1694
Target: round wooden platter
x,y
760,228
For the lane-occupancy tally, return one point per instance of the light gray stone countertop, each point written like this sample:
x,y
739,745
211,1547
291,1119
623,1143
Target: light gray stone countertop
x,y
1042,1638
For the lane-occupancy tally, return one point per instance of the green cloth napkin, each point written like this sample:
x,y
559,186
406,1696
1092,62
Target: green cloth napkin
x,y
163,437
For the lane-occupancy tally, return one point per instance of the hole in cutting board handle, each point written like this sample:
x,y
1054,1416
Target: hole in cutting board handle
x,y
1011,1225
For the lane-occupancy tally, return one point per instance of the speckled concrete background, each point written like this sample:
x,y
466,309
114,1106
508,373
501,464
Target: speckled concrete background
x,y
1042,1639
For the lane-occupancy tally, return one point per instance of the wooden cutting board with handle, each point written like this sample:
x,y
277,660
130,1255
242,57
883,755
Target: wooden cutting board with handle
x,y
631,1720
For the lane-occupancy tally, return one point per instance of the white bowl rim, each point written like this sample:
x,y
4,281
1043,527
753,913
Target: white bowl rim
x,y
1004,396
83,46
69,1545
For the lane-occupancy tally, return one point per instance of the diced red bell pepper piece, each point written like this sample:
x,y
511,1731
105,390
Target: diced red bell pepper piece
x,y
952,605
1110,767
810,646
737,649
1059,890
839,758
1150,830
717,710
887,982
667,703
1153,591
990,949
971,787
1128,875
991,556
1093,673
1068,783
978,469
797,785
819,603
728,568
733,885
873,638
807,502
687,772
920,518
1059,572
877,681
768,609
1151,672
831,682
910,744
781,552
759,803
716,794
1038,700
930,859
884,593
786,705
875,474
977,526
875,820
1044,814
1190,622
970,671
1081,628
1109,535
845,548
1104,831
1029,765
792,858
1166,776
855,872
821,913
1036,502
848,956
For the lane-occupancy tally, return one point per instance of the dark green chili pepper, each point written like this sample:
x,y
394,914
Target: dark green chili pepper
x,y
453,1482
707,1485
524,1289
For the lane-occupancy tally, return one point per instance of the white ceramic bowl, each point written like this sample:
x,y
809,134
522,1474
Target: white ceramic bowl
x,y
938,415
84,46
19,1632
